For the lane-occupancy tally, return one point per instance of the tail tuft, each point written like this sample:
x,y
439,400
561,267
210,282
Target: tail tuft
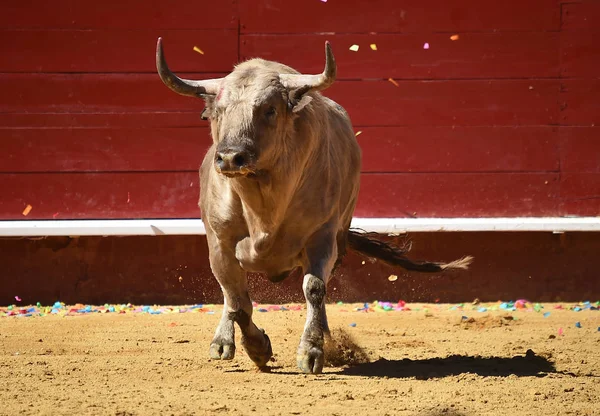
x,y
369,245
463,263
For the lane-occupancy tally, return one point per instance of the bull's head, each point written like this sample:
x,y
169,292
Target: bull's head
x,y
252,110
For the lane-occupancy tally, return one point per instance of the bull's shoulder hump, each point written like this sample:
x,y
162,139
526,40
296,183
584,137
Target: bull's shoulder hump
x,y
334,105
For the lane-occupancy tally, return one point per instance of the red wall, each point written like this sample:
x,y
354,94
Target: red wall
x,y
500,122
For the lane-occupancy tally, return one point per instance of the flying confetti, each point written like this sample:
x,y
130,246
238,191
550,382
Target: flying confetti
x,y
354,48
197,49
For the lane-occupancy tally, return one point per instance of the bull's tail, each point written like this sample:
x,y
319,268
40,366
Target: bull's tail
x,y
368,244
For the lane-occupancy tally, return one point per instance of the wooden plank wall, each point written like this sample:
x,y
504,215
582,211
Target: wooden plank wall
x,y
499,122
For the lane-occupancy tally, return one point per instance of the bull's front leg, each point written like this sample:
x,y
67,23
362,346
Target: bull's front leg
x,y
321,256
237,308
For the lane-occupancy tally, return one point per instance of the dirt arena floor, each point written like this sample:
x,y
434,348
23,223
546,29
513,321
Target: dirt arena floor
x,y
432,361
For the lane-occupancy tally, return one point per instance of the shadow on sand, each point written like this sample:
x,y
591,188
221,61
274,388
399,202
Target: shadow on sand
x,y
528,365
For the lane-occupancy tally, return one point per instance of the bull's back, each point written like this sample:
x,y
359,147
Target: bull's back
x,y
346,159
332,174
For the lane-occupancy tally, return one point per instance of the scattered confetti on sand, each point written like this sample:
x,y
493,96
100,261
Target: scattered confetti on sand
x,y
61,309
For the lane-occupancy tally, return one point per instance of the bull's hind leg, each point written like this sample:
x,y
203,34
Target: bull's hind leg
x,y
237,308
322,252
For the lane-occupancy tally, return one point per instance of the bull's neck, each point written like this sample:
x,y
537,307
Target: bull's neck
x,y
265,200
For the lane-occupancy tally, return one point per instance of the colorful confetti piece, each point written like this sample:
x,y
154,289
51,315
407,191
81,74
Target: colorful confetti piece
x,y
354,48
426,45
373,46
27,210
392,277
393,81
358,133
18,299
197,49
454,37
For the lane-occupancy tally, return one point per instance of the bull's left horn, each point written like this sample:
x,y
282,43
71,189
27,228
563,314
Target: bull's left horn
x,y
183,86
313,82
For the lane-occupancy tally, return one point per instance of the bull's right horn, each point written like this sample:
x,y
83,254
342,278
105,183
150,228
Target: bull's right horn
x,y
183,86
313,82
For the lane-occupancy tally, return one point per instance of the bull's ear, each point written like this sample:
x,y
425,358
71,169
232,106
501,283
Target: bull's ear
x,y
209,99
205,114
302,103
298,99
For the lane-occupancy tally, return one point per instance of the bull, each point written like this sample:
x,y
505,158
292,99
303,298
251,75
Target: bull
x,y
278,189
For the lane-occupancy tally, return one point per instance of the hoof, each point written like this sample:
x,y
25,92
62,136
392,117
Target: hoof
x,y
220,351
260,353
310,361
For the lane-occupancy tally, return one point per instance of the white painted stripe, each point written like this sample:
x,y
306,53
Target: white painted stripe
x,y
552,224
381,225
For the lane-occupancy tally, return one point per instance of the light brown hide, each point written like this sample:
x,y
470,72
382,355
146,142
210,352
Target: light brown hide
x,y
307,172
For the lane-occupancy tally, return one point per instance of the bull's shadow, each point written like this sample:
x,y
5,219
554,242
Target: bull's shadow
x,y
528,365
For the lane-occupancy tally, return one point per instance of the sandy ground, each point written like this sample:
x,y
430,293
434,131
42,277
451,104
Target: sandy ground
x,y
420,363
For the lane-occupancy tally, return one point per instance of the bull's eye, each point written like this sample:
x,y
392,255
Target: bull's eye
x,y
271,112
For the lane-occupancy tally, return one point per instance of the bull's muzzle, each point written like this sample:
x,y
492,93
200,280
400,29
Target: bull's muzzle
x,y
234,163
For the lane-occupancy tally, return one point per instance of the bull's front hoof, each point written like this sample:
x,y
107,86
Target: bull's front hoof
x,y
310,360
222,351
259,351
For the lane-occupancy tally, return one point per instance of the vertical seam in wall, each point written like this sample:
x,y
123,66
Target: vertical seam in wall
x,y
239,29
559,147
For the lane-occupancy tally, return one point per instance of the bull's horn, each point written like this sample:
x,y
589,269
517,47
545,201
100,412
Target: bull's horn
x,y
313,82
183,86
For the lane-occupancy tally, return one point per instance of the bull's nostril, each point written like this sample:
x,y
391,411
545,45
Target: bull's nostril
x,y
219,158
239,160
